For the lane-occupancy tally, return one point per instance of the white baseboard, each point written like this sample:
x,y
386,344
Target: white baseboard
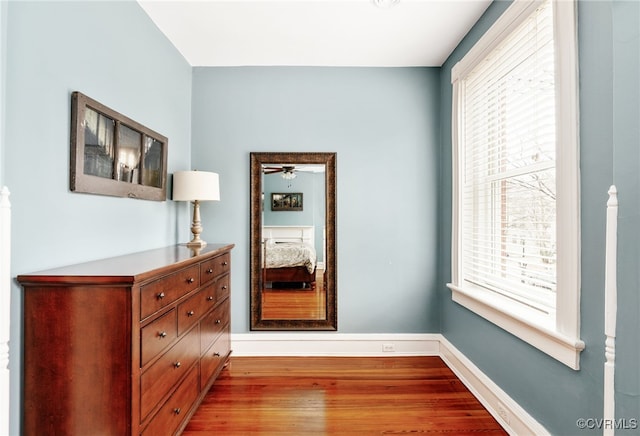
x,y
333,344
513,418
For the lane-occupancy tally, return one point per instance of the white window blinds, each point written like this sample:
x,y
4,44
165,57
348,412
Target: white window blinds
x,y
508,186
515,242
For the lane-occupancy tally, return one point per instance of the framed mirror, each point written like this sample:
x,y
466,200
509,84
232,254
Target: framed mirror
x,y
293,241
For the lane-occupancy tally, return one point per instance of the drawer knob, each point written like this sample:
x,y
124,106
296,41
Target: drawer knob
x,y
210,298
216,354
177,365
225,263
190,313
210,271
191,280
225,287
177,411
218,321
162,334
160,295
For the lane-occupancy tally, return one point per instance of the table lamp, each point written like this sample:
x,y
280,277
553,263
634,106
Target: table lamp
x,y
196,186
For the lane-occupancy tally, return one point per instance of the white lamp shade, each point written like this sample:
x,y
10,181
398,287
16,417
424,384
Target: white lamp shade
x,y
195,185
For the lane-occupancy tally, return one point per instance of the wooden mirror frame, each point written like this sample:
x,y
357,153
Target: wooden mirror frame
x,y
257,160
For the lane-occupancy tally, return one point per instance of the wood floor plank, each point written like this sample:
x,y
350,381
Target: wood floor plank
x,y
340,396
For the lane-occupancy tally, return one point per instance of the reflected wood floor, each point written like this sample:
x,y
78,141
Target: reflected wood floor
x,y
340,396
296,303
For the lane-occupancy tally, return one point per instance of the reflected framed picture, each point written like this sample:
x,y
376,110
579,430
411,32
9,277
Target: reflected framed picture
x,y
112,154
286,201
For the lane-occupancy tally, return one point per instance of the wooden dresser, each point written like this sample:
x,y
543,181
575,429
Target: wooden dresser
x,y
125,345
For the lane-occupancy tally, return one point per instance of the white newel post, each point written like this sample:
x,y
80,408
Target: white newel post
x,y
5,295
5,239
610,310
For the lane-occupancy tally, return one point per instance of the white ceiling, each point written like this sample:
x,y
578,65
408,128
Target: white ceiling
x,y
315,32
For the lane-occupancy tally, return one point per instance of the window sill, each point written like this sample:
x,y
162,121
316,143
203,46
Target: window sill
x,y
525,324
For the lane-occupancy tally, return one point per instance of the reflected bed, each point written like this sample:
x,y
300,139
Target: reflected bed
x,y
289,257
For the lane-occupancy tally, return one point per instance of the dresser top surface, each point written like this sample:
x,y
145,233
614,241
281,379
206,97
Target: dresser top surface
x,y
130,267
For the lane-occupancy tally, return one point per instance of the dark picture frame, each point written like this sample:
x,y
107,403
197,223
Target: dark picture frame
x,y
114,155
286,201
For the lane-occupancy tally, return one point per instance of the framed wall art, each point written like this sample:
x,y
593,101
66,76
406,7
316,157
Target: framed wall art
x,y
286,201
113,155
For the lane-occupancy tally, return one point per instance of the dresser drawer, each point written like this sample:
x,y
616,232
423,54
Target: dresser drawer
x,y
215,357
156,336
165,291
166,371
195,307
222,287
214,267
213,323
171,414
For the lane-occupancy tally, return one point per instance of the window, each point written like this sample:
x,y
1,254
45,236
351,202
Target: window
x,y
515,168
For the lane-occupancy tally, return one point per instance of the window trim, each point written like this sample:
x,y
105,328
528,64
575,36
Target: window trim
x,y
559,339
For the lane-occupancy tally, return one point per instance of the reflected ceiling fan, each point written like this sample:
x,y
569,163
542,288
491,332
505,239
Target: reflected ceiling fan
x,y
288,171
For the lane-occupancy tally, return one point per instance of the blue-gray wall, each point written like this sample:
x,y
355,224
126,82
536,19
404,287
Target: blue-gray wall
x,y
55,48
304,184
626,176
3,66
551,392
383,124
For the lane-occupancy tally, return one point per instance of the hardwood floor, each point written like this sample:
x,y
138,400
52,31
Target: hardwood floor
x,y
340,396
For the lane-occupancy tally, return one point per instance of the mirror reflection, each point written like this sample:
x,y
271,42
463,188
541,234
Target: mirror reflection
x,y
293,241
